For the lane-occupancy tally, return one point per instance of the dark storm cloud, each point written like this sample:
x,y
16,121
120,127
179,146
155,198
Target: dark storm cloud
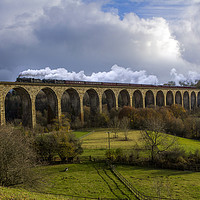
x,y
78,35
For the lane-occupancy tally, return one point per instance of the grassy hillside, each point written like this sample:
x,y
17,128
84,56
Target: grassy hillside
x,y
19,194
96,181
176,184
84,180
97,142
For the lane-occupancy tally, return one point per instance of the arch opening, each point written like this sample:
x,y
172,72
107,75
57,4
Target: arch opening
x,y
46,105
149,99
178,98
70,104
91,102
137,99
160,99
198,100
18,107
169,98
186,100
108,101
193,100
123,99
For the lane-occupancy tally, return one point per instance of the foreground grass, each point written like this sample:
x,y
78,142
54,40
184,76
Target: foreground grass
x,y
96,181
153,182
18,194
165,183
83,180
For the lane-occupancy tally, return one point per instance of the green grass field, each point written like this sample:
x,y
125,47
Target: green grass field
x,y
20,194
96,181
98,141
80,134
180,184
84,180
168,183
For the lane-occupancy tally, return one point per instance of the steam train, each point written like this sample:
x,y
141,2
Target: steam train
x,y
68,82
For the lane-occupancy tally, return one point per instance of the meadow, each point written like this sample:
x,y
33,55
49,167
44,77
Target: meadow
x,y
96,143
175,184
20,194
95,180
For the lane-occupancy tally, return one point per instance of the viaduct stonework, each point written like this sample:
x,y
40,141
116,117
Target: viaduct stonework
x,y
99,95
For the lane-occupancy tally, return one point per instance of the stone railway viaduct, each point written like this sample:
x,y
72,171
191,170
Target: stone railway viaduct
x,y
139,96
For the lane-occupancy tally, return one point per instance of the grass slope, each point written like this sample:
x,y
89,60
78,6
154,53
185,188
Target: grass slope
x,y
84,180
174,183
80,134
19,194
96,181
96,143
166,183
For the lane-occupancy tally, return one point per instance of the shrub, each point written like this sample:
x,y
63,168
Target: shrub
x,y
16,157
46,146
68,146
60,143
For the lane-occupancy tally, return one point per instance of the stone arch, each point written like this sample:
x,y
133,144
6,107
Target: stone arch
x,y
108,100
149,99
123,98
193,100
91,100
137,99
169,98
160,98
186,100
178,98
20,108
46,99
70,103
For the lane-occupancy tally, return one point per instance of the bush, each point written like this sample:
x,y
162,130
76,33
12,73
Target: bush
x,y
60,143
16,157
46,146
68,146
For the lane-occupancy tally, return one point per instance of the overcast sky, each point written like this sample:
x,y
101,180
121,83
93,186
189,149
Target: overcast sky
x,y
159,40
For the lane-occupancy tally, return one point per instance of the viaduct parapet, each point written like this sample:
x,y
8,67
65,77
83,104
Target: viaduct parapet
x,y
138,96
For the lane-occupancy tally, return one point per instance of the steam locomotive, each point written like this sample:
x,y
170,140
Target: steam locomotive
x,y
68,82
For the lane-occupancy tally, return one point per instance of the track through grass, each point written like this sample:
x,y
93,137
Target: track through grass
x,y
117,188
84,180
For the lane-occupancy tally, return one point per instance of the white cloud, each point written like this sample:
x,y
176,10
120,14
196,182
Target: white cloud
x,y
116,74
191,78
81,35
187,31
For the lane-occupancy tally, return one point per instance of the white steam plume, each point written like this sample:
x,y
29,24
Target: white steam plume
x,y
191,78
116,74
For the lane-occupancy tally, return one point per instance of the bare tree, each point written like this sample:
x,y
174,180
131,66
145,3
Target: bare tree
x,y
125,124
154,139
115,124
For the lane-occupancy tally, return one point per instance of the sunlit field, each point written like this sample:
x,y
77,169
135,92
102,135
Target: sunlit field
x,y
166,183
19,194
98,140
95,180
